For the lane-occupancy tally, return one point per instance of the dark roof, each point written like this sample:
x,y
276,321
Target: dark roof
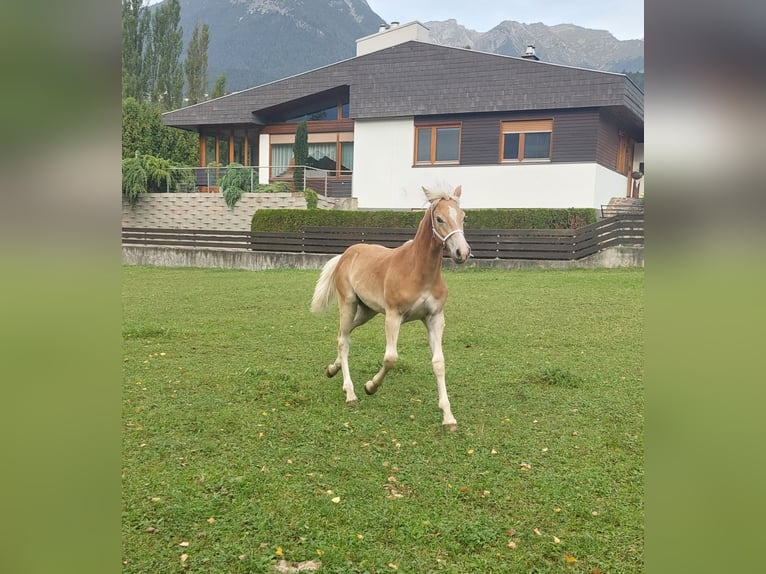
x,y
417,78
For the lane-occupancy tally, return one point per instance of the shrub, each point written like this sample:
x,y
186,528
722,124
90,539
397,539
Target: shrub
x,y
159,177
151,174
312,199
234,182
297,219
276,187
133,179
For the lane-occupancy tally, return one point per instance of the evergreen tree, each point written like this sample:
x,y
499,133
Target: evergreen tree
x,y
300,154
220,87
144,133
135,31
166,76
196,63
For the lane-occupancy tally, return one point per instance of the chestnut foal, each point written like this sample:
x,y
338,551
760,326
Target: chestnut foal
x,y
404,284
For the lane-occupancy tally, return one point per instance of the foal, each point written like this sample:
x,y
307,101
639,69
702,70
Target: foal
x,y
404,283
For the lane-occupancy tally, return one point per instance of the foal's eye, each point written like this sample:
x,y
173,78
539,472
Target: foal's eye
x,y
439,219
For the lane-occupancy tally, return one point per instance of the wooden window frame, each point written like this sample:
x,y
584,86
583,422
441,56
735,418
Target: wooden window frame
x,y
523,127
432,152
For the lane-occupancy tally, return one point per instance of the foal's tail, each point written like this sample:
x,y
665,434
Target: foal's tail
x,y
324,292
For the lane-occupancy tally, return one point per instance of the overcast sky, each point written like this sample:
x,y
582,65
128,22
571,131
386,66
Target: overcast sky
x,y
623,18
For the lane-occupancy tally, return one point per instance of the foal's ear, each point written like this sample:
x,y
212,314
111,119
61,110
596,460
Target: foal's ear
x,y
458,191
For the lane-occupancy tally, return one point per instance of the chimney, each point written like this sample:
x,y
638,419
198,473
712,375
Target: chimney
x,y
388,36
530,53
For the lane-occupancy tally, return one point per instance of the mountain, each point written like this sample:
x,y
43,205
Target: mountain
x,y
258,41
561,44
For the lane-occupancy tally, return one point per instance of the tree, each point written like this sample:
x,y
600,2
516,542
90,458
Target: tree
x,y
163,55
196,63
136,26
220,87
300,154
143,132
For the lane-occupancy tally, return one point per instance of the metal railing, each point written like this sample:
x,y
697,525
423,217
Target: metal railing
x,y
330,183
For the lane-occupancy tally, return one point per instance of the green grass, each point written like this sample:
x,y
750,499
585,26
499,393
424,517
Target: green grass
x,y
236,443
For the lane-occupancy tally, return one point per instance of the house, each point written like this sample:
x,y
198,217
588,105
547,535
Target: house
x,y
513,131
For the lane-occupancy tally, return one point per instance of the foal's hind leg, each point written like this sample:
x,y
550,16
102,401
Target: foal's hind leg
x,y
363,314
393,322
352,314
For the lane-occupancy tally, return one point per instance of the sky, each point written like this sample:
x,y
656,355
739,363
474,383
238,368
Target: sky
x,y
623,18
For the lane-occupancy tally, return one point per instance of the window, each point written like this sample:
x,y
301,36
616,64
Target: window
x,y
526,140
281,156
333,112
437,144
321,155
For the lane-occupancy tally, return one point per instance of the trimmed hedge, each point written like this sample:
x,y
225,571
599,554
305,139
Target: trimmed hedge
x,y
296,219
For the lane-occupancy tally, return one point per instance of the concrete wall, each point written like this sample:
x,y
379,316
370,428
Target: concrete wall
x,y
384,177
203,210
610,258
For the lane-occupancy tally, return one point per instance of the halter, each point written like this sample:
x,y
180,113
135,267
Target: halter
x,y
436,233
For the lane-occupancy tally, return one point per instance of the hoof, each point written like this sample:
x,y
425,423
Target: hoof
x,y
352,402
450,426
369,388
331,371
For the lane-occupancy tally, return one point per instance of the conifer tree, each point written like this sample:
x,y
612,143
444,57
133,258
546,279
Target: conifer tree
x,y
196,63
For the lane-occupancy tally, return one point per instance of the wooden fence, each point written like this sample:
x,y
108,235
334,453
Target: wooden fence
x,y
553,244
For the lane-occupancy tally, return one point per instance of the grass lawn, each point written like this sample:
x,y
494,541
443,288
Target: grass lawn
x,y
238,452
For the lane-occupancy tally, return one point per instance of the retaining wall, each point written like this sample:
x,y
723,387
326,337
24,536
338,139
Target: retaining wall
x,y
209,210
160,256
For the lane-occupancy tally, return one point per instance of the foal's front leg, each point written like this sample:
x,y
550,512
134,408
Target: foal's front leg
x,y
435,326
393,323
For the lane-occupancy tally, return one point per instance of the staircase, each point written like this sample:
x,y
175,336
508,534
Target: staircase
x,y
623,206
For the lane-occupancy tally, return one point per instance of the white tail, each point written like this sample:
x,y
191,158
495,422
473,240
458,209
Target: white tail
x,y
324,292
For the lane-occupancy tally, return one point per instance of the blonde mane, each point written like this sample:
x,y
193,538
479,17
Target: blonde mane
x,y
435,195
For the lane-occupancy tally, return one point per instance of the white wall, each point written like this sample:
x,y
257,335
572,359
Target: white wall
x,y
385,179
263,159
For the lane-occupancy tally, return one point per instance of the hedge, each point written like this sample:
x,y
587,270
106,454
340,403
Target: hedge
x,y
296,219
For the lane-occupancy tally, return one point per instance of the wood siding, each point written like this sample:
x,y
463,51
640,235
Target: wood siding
x,y
574,138
608,142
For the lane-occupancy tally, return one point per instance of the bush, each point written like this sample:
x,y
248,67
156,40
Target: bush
x,y
276,187
159,178
151,174
133,179
297,219
312,199
234,183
